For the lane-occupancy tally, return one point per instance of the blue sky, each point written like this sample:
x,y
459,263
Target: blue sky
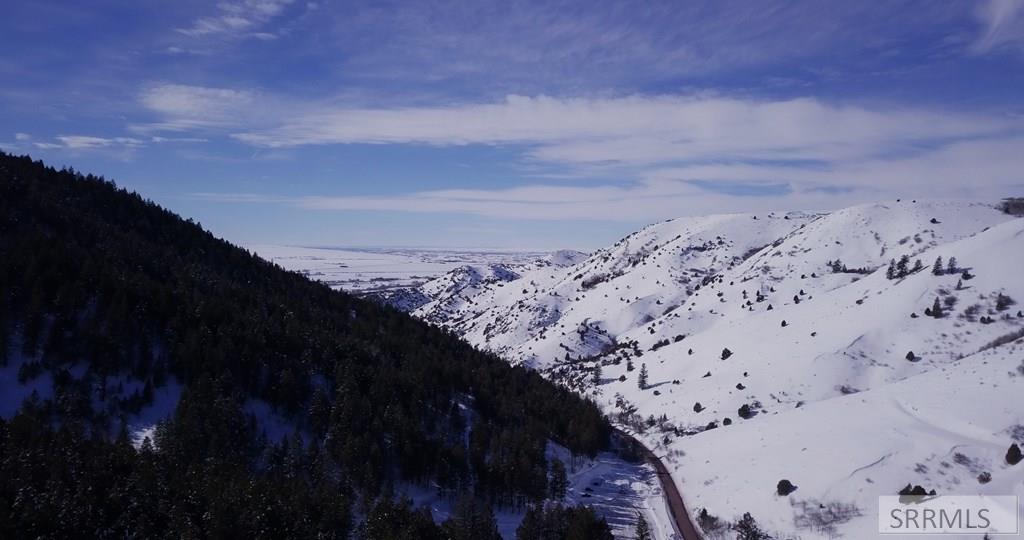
x,y
514,124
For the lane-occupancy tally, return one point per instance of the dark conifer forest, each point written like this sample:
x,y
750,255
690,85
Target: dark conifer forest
x,y
99,286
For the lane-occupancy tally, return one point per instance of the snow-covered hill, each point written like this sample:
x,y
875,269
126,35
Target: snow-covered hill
x,y
784,334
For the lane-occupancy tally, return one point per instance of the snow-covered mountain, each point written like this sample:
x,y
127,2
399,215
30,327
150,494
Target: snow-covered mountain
x,y
782,346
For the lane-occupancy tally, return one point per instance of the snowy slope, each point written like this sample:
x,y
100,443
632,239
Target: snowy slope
x,y
580,309
835,405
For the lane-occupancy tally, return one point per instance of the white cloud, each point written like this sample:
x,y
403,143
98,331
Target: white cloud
x,y
91,142
674,154
183,107
638,129
86,142
974,170
239,18
1002,25
177,140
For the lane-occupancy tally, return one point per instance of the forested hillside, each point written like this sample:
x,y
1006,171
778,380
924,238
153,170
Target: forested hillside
x,y
107,300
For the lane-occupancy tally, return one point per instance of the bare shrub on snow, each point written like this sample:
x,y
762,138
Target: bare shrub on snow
x,y
823,517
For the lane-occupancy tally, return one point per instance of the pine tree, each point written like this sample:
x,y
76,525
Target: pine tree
x,y
937,309
951,266
918,266
891,272
559,483
747,529
937,268
901,267
642,379
643,530
597,374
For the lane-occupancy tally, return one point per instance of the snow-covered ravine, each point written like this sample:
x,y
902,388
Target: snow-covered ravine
x,y
776,347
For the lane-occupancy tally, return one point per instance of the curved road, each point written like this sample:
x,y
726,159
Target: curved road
x,y
676,508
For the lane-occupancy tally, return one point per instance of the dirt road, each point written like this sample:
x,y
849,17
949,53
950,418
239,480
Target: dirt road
x,y
676,507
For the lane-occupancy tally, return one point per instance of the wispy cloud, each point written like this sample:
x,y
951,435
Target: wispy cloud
x,y
239,18
182,107
976,170
671,152
631,129
91,142
85,142
1002,25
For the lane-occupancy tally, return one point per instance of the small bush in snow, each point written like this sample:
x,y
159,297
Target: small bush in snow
x,y
708,523
726,353
915,491
784,487
1013,455
823,517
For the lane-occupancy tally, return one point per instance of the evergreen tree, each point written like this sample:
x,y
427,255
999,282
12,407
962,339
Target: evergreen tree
x,y
472,521
643,529
642,379
951,267
902,267
747,529
556,522
937,309
597,373
558,484
918,266
890,273
937,268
